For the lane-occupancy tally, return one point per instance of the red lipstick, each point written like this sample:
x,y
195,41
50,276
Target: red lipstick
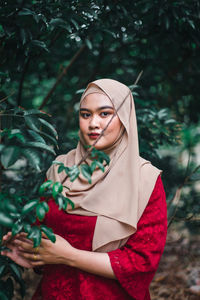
x,y
94,135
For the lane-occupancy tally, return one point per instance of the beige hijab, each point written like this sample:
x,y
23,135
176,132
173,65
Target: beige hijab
x,y
118,196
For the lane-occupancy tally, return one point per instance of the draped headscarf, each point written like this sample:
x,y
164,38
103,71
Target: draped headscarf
x,y
118,196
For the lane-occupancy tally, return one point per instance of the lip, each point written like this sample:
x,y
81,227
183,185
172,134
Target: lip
x,y
94,135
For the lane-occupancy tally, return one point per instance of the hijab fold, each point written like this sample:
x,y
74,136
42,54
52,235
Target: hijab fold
x,y
119,195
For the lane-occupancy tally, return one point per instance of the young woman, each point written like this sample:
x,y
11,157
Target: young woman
x,y
110,245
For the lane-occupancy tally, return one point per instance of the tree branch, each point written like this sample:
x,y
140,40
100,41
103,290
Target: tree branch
x,y
63,73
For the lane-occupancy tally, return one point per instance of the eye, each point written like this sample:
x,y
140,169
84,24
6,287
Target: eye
x,y
105,113
85,115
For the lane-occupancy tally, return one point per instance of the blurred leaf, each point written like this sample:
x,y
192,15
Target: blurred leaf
x,y
49,233
5,220
86,171
73,172
35,235
15,269
32,157
9,155
29,206
60,202
2,269
56,189
45,186
16,228
39,145
48,126
40,211
36,136
88,43
40,44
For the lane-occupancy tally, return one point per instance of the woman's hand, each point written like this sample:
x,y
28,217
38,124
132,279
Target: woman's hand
x,y
60,252
14,254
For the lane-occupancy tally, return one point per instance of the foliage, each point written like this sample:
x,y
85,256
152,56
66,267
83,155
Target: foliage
x,y
49,51
26,152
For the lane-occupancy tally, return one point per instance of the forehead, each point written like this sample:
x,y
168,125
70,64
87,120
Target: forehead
x,y
95,100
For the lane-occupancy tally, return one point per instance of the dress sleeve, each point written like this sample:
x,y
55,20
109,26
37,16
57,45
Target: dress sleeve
x,y
136,262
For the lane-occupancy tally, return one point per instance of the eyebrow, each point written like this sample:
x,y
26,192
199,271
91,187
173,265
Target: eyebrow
x,y
100,108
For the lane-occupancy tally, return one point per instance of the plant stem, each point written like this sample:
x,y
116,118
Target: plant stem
x,y
63,73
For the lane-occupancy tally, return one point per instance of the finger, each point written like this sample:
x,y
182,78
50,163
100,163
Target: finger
x,y
30,256
37,263
24,245
23,234
10,246
8,238
7,253
23,239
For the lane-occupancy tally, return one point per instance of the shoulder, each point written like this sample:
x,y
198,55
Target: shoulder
x,y
157,205
158,190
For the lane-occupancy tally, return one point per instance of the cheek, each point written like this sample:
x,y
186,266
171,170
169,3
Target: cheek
x,y
114,127
82,125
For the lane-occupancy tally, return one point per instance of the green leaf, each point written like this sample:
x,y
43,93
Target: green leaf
x,y
25,12
40,211
27,227
59,200
36,136
75,24
2,269
29,206
57,188
56,162
86,171
10,207
32,122
48,126
33,112
35,235
49,233
68,27
15,270
5,220
88,43
73,172
40,44
65,202
61,168
39,145
9,156
93,166
58,22
100,156
100,165
45,186
50,138
32,157
18,134
70,202
16,228
45,205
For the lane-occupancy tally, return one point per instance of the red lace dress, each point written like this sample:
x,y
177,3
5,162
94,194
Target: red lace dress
x,y
134,264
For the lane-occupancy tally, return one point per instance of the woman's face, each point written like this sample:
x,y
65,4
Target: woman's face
x,y
95,112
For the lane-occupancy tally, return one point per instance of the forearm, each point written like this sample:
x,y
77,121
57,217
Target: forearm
x,y
92,262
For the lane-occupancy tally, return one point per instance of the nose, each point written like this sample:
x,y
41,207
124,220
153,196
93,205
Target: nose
x,y
94,122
